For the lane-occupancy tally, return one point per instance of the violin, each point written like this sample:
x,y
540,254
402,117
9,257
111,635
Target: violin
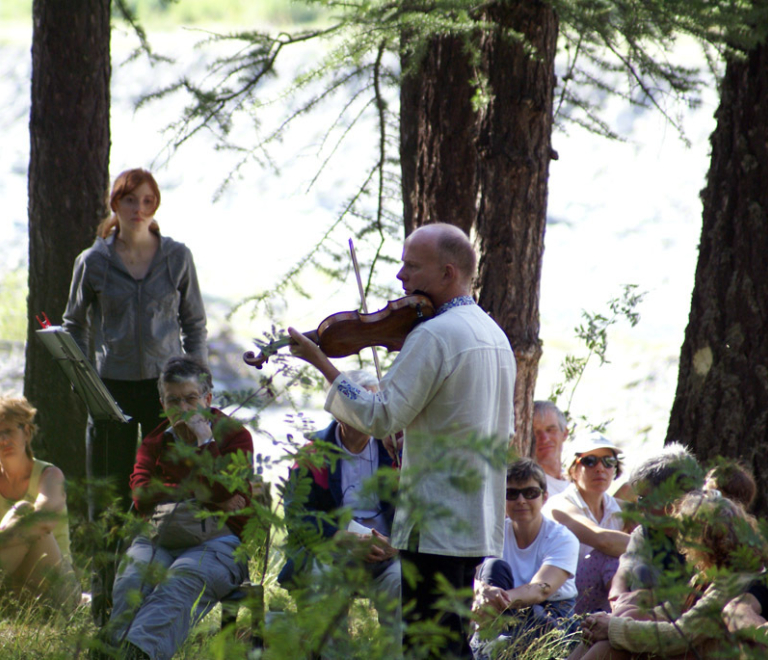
x,y
347,333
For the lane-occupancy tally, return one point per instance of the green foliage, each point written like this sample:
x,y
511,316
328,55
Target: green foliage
x,y
605,41
322,599
162,14
29,631
13,305
305,620
355,61
594,335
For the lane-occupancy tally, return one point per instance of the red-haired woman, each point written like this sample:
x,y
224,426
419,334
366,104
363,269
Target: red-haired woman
x,y
136,298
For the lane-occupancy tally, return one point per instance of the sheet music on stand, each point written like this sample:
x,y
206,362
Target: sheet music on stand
x,y
85,381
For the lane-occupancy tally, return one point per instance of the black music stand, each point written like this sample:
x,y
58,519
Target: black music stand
x,y
102,407
85,381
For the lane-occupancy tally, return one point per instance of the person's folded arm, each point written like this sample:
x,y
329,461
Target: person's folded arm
x,y
143,469
743,612
547,581
668,638
51,499
611,542
488,599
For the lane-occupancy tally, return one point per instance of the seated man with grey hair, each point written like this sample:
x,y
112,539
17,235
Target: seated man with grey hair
x,y
659,481
550,431
151,618
652,559
338,490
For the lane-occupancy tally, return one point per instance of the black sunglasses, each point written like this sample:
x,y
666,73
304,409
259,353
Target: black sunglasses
x,y
530,493
591,461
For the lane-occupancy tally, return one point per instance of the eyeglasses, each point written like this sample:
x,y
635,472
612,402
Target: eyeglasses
x,y
174,401
530,493
590,461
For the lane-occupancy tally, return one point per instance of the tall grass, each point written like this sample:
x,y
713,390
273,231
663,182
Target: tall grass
x,y
33,631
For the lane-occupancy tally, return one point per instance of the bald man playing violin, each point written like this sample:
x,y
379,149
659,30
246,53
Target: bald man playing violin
x,y
451,388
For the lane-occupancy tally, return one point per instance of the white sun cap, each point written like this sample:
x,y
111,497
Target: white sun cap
x,y
589,441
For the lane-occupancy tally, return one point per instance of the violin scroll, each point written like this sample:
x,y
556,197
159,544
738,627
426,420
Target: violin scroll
x,y
268,350
253,360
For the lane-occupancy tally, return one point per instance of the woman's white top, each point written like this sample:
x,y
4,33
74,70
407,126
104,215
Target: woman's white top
x,y
611,512
555,545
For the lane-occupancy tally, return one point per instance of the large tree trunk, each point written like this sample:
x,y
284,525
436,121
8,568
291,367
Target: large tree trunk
x,y
721,405
437,139
490,173
68,179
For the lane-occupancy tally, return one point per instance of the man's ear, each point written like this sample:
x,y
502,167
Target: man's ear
x,y
450,273
207,399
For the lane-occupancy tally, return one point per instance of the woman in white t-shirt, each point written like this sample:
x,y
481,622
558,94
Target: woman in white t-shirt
x,y
586,508
535,576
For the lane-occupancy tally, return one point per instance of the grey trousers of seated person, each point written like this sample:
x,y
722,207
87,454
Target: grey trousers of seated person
x,y
203,574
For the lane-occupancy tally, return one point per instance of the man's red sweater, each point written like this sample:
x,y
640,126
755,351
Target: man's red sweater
x,y
155,461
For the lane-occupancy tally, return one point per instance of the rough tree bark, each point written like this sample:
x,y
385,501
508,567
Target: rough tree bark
x,y
437,151
487,171
68,177
721,404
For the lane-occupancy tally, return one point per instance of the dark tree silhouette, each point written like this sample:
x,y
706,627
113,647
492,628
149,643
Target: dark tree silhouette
x,y
721,404
68,177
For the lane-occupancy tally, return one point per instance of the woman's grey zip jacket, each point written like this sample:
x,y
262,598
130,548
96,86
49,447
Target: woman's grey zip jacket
x,y
135,325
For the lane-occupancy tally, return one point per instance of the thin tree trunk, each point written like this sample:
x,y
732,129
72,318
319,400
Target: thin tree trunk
x,y
68,179
489,172
721,404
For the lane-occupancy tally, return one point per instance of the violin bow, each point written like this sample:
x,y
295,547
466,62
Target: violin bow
x,y
373,348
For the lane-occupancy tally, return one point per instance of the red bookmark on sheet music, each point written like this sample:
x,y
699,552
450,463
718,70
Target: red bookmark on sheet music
x,y
45,322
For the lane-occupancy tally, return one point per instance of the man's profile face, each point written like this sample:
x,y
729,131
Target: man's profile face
x,y
421,269
181,398
549,436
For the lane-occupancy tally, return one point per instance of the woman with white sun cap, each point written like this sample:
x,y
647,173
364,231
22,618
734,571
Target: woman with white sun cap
x,y
594,516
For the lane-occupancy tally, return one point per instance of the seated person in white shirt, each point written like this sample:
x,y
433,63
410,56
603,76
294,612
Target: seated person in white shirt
x,y
534,579
338,487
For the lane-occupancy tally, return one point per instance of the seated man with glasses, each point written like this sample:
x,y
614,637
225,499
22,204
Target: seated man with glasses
x,y
534,579
184,562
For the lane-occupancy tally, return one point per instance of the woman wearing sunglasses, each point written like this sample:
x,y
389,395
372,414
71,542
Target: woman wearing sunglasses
x,y
586,508
534,579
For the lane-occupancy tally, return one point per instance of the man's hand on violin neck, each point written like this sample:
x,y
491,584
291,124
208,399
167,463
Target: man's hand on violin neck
x,y
309,351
